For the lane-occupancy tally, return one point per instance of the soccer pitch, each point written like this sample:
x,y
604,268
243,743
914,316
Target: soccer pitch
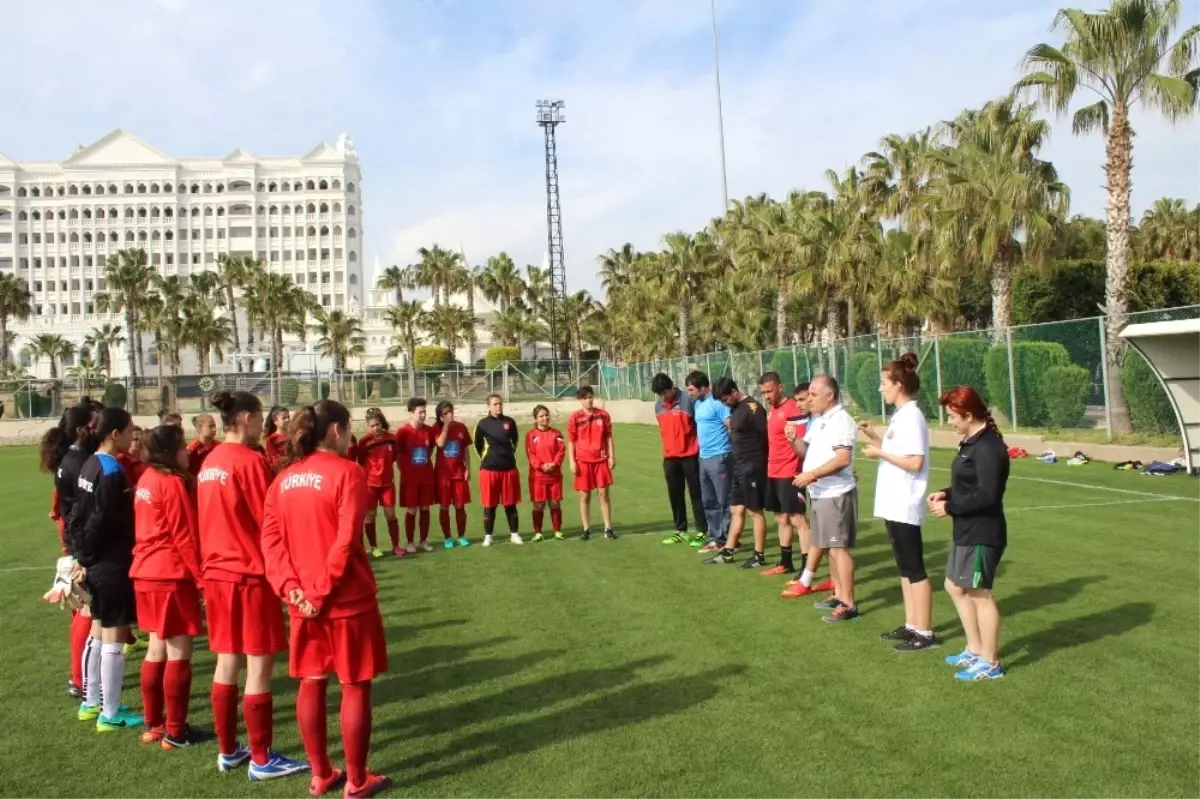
x,y
627,668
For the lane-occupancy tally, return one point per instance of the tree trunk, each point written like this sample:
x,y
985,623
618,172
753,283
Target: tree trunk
x,y
683,329
780,314
276,375
851,318
158,370
237,342
412,372
3,339
832,329
133,359
1001,294
1118,165
472,340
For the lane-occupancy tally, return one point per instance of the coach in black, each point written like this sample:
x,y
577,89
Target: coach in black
x,y
499,481
748,490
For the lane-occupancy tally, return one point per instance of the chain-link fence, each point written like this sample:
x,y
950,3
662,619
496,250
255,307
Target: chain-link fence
x,y
1041,377
544,380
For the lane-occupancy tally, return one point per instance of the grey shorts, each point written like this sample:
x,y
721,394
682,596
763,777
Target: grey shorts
x,y
973,566
835,521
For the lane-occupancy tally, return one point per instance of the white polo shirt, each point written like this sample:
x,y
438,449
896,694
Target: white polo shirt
x,y
900,495
833,430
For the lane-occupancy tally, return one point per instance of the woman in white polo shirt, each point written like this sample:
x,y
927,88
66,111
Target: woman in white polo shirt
x,y
903,455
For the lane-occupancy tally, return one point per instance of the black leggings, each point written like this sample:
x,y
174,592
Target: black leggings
x,y
908,549
489,519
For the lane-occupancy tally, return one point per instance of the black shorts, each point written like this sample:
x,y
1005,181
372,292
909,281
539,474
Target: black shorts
x,y
973,566
113,603
783,497
909,550
749,487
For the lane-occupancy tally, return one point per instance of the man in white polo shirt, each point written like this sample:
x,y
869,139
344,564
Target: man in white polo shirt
x,y
828,472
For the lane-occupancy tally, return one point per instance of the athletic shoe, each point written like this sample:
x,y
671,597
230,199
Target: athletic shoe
x,y
448,544
153,735
487,540
411,549
720,558
698,540
318,786
374,784
376,552
232,761
88,712
138,645
824,586
586,535
538,537
917,642
610,535
775,571
559,536
980,670
122,721
74,691
515,538
276,766
841,613
676,538
399,552
797,590
962,660
189,738
901,633
832,603
711,546
426,546
755,562
464,542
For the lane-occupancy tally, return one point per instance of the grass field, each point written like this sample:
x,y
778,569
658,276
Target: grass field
x,y
627,668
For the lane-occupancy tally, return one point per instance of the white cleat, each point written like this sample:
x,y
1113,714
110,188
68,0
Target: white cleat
x,y
487,540
515,538
425,547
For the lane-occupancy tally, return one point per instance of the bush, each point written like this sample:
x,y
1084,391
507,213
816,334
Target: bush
x,y
1031,360
362,387
861,369
1150,409
1072,289
388,387
319,390
962,360
431,357
1066,389
114,395
289,391
32,404
495,356
783,363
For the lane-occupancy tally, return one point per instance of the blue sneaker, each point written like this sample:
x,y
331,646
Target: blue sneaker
x,y
230,762
123,720
448,543
980,670
963,660
276,766
464,542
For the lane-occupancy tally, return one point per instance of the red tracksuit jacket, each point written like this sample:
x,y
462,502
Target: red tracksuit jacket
x,y
377,456
197,452
166,534
230,491
542,447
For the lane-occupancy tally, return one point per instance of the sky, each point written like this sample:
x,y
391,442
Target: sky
x,y
439,96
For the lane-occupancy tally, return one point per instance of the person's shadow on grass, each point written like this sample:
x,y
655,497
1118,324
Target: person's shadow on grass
x,y
630,705
1035,598
414,683
1076,632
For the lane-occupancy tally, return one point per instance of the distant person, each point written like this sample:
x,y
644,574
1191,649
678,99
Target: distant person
x,y
204,443
545,449
415,446
592,460
376,454
716,460
274,442
784,499
675,413
452,473
750,487
499,482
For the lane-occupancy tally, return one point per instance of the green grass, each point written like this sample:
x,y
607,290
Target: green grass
x,y
629,669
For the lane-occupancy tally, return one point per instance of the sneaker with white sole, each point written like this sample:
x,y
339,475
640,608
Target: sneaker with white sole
x,y
426,546
229,762
411,549
487,540
276,766
515,538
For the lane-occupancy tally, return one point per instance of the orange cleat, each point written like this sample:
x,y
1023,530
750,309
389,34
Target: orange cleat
x,y
797,590
374,784
823,586
319,786
153,735
774,571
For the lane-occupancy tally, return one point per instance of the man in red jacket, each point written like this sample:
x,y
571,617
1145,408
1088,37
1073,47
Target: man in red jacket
x,y
681,455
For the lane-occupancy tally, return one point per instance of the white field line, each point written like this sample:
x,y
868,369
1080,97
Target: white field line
x,y
1069,484
1098,504
47,568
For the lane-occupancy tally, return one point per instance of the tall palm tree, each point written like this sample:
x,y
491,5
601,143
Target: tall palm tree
x,y
101,340
396,279
449,325
16,303
234,273
1125,56
86,372
207,333
1167,231
281,307
435,270
510,326
463,279
683,266
407,320
155,316
616,267
500,281
128,278
53,348
338,334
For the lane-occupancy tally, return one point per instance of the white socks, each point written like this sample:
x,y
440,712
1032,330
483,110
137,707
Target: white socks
x,y
806,578
112,674
91,671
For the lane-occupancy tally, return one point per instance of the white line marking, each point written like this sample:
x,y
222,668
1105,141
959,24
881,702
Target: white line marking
x,y
1098,504
26,569
1069,484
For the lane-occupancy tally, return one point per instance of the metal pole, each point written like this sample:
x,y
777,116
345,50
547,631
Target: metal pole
x,y
708,364
1012,378
504,378
1108,424
720,113
795,366
879,360
937,363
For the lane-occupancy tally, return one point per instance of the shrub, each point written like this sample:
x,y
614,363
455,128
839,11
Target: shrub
x,y
289,391
388,387
861,369
319,390
495,356
962,359
114,395
1150,409
32,404
431,357
1031,360
783,363
1065,389
362,387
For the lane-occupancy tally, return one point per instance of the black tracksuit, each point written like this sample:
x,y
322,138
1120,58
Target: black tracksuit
x,y
100,532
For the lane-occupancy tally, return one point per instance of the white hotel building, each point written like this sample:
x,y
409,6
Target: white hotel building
x,y
60,220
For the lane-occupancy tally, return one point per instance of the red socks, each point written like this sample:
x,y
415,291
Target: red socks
x,y
410,526
460,521
177,688
356,729
225,716
538,515
310,714
80,628
424,528
152,692
372,538
394,532
256,710
556,519
444,522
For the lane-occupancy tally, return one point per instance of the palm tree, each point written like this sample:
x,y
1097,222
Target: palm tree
x,y
500,281
510,326
86,372
1168,232
53,348
281,307
396,279
340,337
682,268
128,280
616,267
449,325
207,333
407,320
101,340
15,303
464,280
233,273
1125,56
435,270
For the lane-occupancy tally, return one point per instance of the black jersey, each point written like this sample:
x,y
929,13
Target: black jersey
x,y
748,431
66,482
100,527
975,498
496,443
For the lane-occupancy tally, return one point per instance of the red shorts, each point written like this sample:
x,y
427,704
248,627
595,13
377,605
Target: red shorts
x,y
352,647
499,488
590,476
543,490
453,492
383,495
244,618
416,496
168,608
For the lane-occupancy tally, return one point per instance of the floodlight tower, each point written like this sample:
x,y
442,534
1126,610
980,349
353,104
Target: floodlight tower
x,y
549,117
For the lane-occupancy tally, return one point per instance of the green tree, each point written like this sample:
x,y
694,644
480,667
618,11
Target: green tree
x,y
16,303
128,279
102,339
407,320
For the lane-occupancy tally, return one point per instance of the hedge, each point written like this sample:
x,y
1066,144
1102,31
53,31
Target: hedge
x,y
388,387
31,404
862,380
431,357
962,359
1031,360
495,356
114,395
1150,409
362,387
319,390
289,391
1066,389
1074,289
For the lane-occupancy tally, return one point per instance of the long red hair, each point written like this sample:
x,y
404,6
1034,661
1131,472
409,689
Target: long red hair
x,y
965,401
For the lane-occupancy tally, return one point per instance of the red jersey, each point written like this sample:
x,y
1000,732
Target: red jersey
x,y
414,453
352,450
197,452
542,447
230,491
312,535
376,453
677,426
134,468
275,447
166,534
589,432
782,460
452,456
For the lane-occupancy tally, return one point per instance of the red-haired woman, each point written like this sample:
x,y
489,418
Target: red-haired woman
x,y
975,501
